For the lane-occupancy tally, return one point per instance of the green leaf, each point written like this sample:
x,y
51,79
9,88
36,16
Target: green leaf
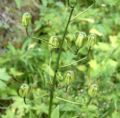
x,y
48,70
115,114
2,85
55,113
31,115
4,75
44,2
15,73
18,3
92,108
67,57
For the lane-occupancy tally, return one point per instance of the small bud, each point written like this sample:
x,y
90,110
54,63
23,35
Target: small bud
x,y
92,91
91,40
80,39
69,77
72,2
24,90
26,19
53,42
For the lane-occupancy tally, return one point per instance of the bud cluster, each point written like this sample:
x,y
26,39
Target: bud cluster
x,y
82,39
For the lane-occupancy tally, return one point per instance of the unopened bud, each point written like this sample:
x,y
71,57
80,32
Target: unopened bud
x,y
69,77
24,90
92,90
91,40
72,2
26,19
80,39
53,42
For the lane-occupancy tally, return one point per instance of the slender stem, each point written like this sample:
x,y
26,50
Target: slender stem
x,y
3,108
40,1
65,100
89,101
81,12
89,52
52,89
26,29
45,41
73,62
50,60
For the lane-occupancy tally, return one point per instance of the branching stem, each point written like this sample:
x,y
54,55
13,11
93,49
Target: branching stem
x,y
73,62
65,100
52,89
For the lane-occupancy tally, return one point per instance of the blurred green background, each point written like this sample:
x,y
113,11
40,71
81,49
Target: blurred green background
x,y
88,79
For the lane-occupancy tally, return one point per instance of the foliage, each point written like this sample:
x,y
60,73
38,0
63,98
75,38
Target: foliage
x,y
88,77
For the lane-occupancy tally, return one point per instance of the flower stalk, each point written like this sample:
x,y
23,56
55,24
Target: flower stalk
x,y
52,89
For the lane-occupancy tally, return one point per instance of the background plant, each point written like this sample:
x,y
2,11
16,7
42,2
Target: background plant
x,y
88,75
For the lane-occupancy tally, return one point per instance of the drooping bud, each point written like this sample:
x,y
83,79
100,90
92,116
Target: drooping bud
x,y
91,40
92,90
69,77
24,90
80,39
26,19
72,2
53,42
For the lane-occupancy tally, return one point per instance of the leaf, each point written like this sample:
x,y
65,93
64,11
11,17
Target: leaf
x,y
48,70
113,41
95,31
115,114
31,115
67,57
55,113
15,73
93,64
81,68
2,85
4,77
105,47
44,2
92,108
18,3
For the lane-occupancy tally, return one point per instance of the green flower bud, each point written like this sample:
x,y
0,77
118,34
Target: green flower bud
x,y
80,39
24,90
91,40
72,2
92,91
69,77
26,19
53,42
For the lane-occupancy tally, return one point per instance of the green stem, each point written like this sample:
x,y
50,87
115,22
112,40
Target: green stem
x,y
26,29
75,62
40,1
52,89
65,100
81,13
50,60
45,41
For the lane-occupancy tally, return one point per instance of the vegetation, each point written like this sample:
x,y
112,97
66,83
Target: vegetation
x,y
59,59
